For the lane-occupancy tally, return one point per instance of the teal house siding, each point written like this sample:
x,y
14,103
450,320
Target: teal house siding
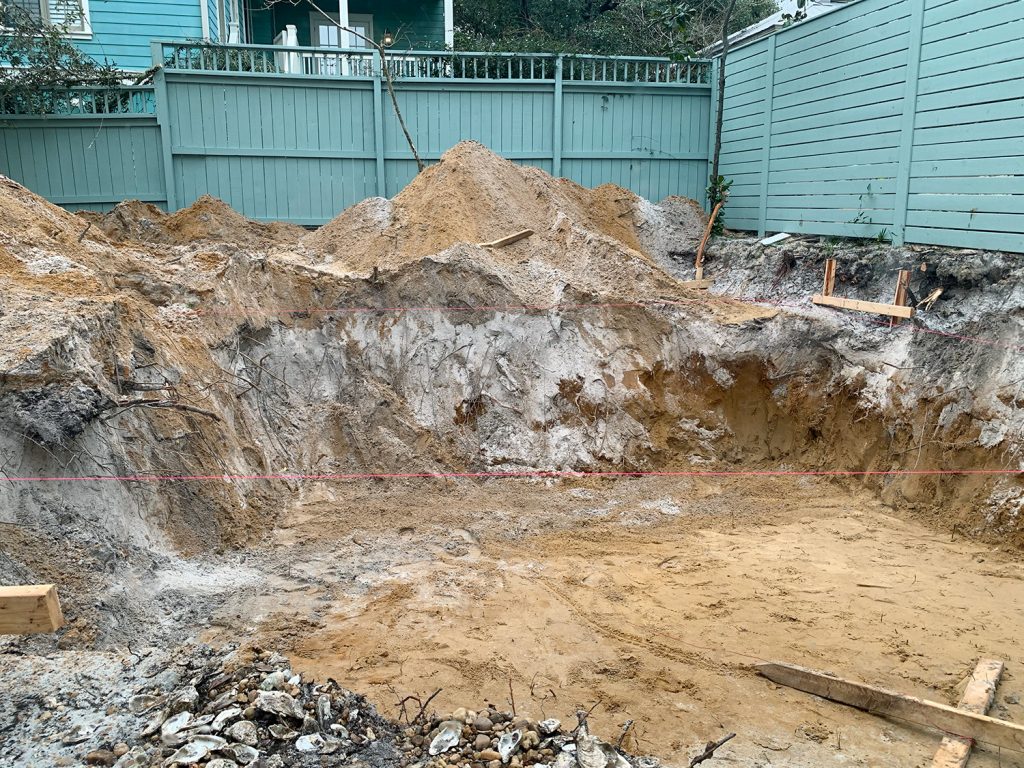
x,y
122,29
899,120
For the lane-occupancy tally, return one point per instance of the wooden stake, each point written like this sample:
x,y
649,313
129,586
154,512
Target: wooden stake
x,y
900,298
954,752
699,264
830,278
878,701
895,310
508,240
26,610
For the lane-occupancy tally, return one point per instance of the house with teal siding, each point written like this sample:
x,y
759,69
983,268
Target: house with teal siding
x,y
120,31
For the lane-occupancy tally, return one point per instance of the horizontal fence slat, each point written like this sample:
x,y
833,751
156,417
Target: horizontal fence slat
x,y
986,203
958,238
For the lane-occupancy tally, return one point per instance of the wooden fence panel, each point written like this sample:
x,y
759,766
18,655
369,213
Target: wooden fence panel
x,y
85,162
896,120
302,147
967,170
742,162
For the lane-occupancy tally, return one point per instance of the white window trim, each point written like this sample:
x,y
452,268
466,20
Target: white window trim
x,y
362,18
85,33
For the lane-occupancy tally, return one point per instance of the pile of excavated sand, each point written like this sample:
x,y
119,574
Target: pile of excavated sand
x,y
605,241
207,219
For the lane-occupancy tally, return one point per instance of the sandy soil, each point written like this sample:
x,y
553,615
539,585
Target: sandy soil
x,y
651,599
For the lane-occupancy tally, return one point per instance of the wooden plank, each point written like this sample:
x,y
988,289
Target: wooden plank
x,y
955,751
863,306
879,701
29,609
508,240
698,284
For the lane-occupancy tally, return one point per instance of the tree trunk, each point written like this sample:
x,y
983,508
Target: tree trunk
x,y
721,93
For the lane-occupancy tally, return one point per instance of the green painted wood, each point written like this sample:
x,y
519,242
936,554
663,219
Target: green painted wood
x,y
898,119
301,149
86,160
899,221
557,120
378,124
766,136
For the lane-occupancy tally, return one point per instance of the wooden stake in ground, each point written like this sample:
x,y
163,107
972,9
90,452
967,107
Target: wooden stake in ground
x,y
26,610
894,310
699,265
878,701
900,298
954,752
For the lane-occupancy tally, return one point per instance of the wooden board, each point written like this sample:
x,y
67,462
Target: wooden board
x,y
863,306
26,610
699,284
508,240
955,751
879,701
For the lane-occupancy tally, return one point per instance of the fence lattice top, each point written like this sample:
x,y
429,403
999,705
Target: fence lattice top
x,y
429,65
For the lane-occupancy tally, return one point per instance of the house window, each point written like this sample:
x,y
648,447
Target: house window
x,y
326,33
71,15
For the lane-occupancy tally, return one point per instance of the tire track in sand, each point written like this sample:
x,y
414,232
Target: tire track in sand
x,y
654,647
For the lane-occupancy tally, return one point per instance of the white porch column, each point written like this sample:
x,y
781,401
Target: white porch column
x,y
449,23
347,39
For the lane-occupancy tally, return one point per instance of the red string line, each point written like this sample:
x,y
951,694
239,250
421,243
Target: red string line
x,y
286,476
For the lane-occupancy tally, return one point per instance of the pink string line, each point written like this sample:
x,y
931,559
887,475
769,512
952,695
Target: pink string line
x,y
517,474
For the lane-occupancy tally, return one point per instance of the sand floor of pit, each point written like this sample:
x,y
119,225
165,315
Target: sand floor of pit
x,y
652,598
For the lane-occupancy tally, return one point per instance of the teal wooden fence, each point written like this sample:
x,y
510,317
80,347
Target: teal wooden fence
x,y
898,119
92,148
299,134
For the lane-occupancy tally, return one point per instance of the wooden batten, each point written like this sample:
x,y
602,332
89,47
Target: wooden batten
x,y
31,609
878,701
864,306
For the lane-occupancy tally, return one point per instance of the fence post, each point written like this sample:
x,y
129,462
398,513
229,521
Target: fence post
x,y
378,121
715,96
766,149
164,125
899,218
556,150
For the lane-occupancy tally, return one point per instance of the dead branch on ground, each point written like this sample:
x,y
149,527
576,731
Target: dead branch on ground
x,y
709,750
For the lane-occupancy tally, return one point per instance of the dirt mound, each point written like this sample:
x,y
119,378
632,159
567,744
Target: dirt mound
x,y
600,241
207,219
28,219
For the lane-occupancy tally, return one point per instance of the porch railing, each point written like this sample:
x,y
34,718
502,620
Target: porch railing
x,y
428,65
81,100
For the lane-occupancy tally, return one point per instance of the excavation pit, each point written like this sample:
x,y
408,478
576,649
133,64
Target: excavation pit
x,y
547,472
